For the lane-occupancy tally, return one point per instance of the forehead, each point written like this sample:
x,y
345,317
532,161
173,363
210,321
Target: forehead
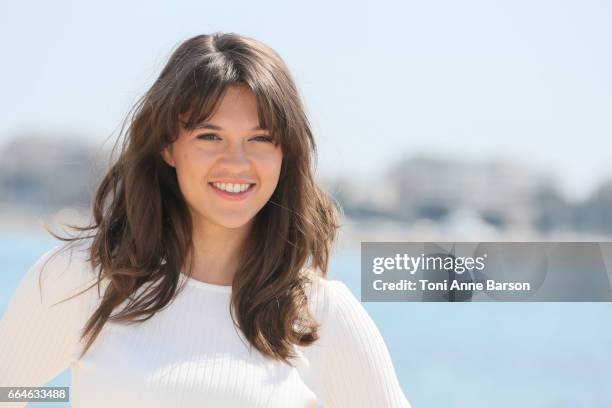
x,y
238,94
236,103
235,108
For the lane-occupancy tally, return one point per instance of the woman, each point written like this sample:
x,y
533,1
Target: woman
x,y
202,282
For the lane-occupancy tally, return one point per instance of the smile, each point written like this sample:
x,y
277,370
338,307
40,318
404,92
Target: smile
x,y
232,191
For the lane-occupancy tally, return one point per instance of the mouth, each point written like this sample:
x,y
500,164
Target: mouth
x,y
231,191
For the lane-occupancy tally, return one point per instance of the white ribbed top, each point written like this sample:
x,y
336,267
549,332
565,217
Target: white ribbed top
x,y
189,354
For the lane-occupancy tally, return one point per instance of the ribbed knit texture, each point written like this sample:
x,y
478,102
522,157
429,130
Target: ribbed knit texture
x,y
189,354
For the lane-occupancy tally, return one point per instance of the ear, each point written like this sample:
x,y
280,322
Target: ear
x,y
167,156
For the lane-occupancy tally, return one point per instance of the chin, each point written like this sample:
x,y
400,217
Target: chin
x,y
232,222
233,225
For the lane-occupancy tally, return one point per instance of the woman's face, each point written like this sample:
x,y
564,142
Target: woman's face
x,y
222,157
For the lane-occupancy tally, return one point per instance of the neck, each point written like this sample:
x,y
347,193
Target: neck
x,y
216,252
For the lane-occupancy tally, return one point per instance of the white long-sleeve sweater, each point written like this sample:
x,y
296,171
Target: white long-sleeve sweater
x,y
189,354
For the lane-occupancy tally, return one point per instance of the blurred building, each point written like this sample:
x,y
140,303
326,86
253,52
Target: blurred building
x,y
41,172
500,192
465,198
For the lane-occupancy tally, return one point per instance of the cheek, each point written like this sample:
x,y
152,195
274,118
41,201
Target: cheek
x,y
195,162
192,167
270,168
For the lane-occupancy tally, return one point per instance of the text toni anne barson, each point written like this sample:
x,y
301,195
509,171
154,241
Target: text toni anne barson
x,y
437,263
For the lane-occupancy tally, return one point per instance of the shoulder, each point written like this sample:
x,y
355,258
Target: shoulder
x,y
61,271
349,365
330,299
40,327
343,319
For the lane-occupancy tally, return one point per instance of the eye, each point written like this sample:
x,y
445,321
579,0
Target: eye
x,y
208,136
269,139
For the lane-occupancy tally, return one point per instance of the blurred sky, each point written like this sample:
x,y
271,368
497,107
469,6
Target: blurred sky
x,y
526,80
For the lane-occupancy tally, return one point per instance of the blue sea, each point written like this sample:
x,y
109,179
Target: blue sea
x,y
449,354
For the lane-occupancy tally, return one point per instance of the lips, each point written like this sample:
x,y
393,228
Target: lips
x,y
233,196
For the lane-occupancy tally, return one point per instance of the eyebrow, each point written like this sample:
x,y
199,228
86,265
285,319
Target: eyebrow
x,y
207,125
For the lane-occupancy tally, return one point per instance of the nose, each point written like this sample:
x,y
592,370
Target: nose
x,y
235,157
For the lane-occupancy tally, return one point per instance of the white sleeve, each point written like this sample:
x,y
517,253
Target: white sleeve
x,y
350,366
38,340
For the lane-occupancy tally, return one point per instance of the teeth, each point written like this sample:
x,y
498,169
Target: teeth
x,y
232,188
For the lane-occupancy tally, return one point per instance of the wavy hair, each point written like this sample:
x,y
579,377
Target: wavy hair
x,y
141,231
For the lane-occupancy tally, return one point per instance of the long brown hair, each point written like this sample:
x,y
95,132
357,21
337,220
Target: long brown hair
x,y
141,231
